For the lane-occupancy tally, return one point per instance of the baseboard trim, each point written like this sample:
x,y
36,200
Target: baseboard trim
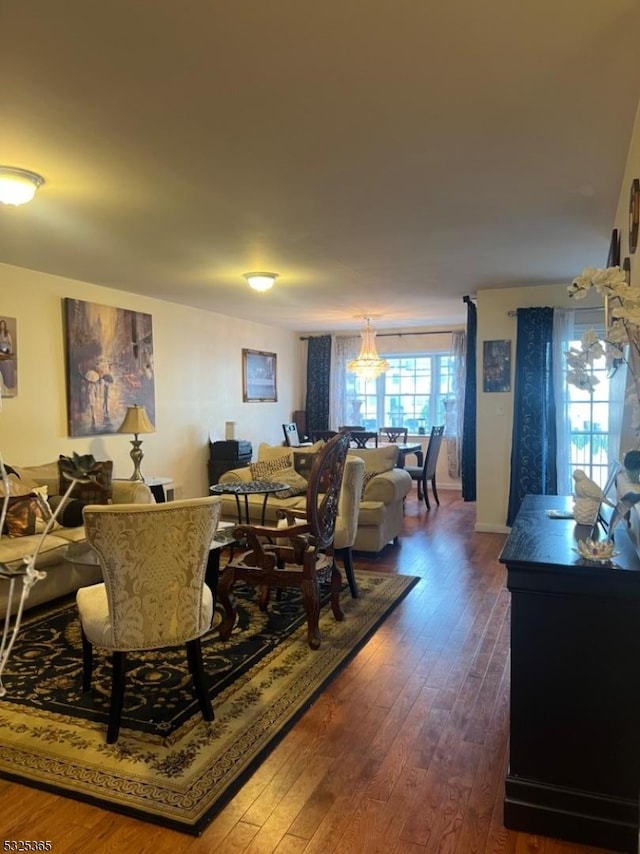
x,y
483,528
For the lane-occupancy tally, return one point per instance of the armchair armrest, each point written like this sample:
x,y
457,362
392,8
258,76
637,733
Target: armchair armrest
x,y
236,475
388,486
131,492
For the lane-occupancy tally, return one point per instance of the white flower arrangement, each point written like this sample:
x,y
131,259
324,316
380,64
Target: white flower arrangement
x,y
623,318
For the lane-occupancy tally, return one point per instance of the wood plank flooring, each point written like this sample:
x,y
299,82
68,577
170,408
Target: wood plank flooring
x,y
405,751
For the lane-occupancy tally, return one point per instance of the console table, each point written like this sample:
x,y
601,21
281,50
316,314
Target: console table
x,y
574,757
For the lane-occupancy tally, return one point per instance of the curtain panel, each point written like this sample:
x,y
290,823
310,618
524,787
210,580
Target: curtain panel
x,y
533,449
318,383
468,464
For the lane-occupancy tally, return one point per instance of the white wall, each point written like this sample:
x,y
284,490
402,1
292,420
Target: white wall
x,y
198,381
494,429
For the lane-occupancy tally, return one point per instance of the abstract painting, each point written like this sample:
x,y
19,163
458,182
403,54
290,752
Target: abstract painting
x,y
8,357
109,353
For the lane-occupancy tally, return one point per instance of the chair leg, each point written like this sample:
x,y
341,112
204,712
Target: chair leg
x,y
426,494
226,599
194,657
336,589
310,588
419,482
118,666
347,558
87,663
435,491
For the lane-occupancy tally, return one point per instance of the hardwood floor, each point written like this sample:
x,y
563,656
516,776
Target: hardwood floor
x,y
405,751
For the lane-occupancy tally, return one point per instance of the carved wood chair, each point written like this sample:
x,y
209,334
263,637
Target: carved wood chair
x,y
295,554
394,434
427,472
153,559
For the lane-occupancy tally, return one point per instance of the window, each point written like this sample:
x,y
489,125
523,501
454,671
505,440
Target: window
x,y
588,419
411,394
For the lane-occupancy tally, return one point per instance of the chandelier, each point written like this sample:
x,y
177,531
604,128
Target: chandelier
x,y
368,365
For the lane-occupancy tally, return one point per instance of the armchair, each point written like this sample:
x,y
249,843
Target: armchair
x,y
153,560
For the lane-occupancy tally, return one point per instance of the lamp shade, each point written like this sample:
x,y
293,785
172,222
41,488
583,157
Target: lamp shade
x,y
136,421
260,281
18,186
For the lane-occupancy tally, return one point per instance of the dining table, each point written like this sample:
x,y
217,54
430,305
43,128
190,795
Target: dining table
x,y
404,450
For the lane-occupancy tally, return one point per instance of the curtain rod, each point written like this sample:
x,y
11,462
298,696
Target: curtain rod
x,y
514,311
391,334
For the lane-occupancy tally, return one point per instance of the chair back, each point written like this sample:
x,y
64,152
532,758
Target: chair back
x,y
347,428
349,503
153,559
394,434
431,457
323,491
322,435
291,437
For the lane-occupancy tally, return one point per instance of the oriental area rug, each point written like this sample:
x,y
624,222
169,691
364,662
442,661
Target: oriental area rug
x,y
169,766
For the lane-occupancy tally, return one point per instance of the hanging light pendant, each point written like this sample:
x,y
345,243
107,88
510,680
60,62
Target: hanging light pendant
x,y
368,365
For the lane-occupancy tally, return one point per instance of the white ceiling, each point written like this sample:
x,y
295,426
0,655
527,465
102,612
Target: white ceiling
x,y
385,157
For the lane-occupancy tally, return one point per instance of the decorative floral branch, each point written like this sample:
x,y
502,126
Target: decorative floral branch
x,y
76,469
623,328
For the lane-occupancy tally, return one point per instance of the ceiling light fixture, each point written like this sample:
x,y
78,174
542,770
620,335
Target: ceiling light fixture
x,y
368,365
260,281
18,186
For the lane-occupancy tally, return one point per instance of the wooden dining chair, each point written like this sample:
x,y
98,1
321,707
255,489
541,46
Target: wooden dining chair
x,y
394,434
427,472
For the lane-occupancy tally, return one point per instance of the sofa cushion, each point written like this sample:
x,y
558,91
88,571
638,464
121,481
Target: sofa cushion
x,y
97,491
266,469
297,483
43,475
377,459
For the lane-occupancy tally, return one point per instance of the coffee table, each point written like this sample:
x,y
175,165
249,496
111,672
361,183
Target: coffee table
x,y
247,488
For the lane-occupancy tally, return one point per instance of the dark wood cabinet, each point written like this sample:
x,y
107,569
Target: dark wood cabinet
x,y
227,455
574,761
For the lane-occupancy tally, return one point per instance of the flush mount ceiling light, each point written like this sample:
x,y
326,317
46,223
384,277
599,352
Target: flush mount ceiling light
x,y
260,281
18,186
368,365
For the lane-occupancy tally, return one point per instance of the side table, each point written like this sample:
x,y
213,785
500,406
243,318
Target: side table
x,y
247,488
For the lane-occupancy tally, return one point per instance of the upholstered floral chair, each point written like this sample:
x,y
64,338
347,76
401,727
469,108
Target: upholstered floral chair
x,y
153,560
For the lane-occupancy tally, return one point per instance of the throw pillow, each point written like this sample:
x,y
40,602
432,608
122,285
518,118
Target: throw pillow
x,y
69,516
290,476
273,452
366,477
18,485
265,469
24,512
98,491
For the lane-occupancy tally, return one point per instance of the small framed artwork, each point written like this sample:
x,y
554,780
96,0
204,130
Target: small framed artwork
x,y
8,357
613,259
259,376
634,215
496,366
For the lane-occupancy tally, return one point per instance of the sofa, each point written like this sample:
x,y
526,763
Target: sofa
x,y
381,506
62,577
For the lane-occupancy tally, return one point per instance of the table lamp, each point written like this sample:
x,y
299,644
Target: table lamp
x,y
136,421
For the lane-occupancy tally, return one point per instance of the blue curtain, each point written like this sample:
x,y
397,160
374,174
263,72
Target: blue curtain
x,y
533,449
318,383
468,456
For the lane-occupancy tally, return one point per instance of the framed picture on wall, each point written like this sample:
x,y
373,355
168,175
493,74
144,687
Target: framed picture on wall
x,y
496,366
109,355
8,356
259,376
